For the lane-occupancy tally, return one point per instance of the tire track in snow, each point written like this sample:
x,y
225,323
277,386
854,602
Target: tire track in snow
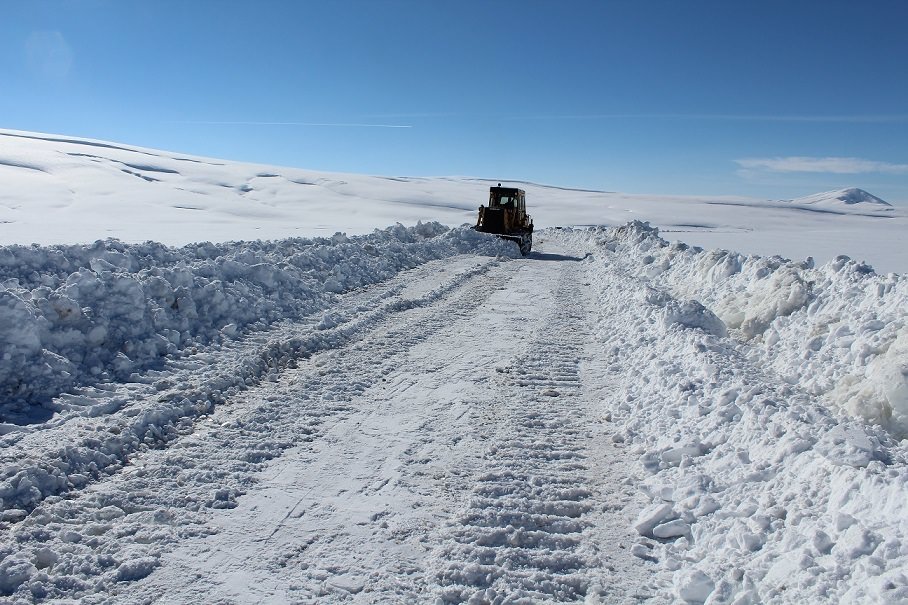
x,y
115,529
342,471
136,416
521,536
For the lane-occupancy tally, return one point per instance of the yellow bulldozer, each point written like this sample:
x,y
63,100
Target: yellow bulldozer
x,y
506,216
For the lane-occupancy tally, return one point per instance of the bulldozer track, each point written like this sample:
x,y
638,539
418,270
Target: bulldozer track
x,y
211,382
520,536
368,460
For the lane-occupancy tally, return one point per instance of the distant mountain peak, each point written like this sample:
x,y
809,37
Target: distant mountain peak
x,y
850,197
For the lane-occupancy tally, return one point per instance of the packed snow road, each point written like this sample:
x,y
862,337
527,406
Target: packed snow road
x,y
454,456
444,445
570,426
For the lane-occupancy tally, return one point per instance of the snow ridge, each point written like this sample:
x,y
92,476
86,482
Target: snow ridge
x,y
840,331
761,490
83,315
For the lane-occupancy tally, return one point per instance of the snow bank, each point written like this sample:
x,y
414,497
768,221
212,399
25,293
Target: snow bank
x,y
77,315
761,490
839,331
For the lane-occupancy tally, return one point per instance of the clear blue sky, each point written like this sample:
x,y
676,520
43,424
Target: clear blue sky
x,y
765,98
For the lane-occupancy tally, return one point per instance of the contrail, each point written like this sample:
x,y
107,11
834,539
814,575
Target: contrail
x,y
319,124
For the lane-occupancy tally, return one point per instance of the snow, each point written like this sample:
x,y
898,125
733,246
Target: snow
x,y
67,190
748,461
693,586
317,407
73,315
836,330
843,198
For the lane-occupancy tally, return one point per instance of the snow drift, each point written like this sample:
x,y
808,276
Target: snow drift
x,y
839,331
78,315
762,488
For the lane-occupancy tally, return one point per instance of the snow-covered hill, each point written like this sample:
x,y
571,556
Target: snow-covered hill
x,y
844,199
418,413
59,189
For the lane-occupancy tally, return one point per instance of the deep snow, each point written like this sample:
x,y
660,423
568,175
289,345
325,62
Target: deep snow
x,y
67,190
77,315
418,413
762,490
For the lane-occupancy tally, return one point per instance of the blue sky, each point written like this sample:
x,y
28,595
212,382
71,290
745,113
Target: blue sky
x,y
770,99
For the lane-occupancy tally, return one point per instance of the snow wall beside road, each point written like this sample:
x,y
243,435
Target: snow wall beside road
x,y
840,331
76,315
723,372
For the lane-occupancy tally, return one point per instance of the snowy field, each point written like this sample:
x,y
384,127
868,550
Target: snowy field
x,y
234,402
62,190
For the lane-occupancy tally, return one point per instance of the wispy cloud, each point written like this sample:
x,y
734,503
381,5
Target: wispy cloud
x,y
314,124
49,55
829,165
399,116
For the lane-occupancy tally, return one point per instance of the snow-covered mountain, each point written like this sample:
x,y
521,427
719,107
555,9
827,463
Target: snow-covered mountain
x,y
419,414
845,198
59,189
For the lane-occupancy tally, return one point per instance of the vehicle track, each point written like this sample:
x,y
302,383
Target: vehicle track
x,y
102,428
520,536
436,437
156,498
350,513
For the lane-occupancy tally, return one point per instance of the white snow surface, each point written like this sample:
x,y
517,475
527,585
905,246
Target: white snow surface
x,y
419,414
79,314
66,190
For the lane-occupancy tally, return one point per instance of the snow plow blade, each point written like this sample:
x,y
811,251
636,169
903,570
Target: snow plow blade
x,y
523,241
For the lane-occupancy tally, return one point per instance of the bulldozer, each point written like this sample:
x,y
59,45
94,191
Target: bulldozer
x,y
506,216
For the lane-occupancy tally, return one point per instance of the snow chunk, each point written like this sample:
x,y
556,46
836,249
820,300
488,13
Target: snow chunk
x,y
692,314
881,393
109,512
651,516
855,542
14,571
672,529
847,446
136,569
673,456
692,585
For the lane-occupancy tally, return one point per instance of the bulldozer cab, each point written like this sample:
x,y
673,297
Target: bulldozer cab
x,y
507,197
